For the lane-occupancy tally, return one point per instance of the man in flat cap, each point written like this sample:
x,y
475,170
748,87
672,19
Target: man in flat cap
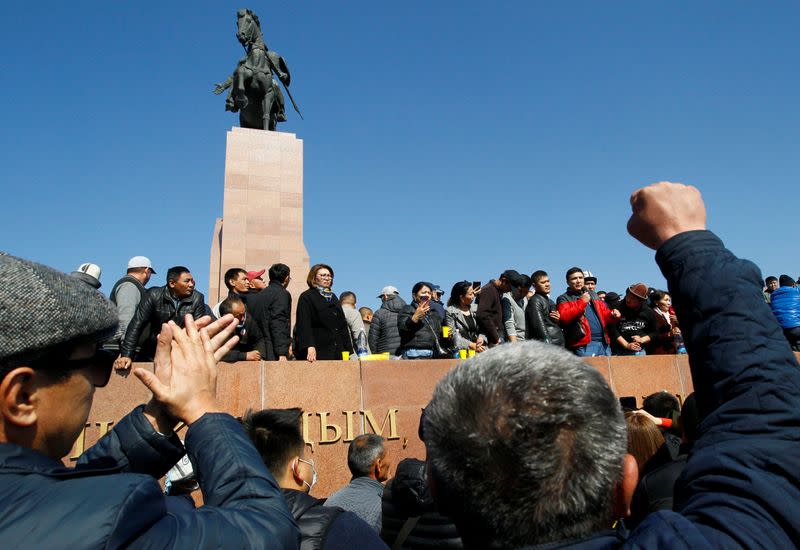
x,y
51,329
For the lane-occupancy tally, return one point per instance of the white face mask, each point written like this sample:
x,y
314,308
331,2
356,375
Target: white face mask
x,y
313,475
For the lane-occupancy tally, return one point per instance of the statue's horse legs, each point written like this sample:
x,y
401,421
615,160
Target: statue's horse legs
x,y
238,90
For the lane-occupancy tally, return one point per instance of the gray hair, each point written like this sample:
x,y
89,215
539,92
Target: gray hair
x,y
363,452
526,443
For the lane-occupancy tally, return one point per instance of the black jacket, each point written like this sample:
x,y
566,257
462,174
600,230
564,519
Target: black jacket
x,y
272,310
383,333
633,322
656,488
538,323
250,339
320,324
407,496
328,527
490,312
111,499
155,309
423,334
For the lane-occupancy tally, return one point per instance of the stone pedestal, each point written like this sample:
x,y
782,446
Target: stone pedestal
x,y
262,214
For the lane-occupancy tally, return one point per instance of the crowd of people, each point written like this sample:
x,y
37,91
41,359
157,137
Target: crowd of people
x,y
475,318
526,444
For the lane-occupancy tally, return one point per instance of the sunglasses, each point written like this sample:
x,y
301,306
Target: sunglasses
x,y
100,365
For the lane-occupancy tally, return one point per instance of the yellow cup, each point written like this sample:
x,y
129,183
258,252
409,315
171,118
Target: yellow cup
x,y
462,353
472,353
345,356
446,332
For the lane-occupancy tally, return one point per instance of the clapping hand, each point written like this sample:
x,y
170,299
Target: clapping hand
x,y
184,377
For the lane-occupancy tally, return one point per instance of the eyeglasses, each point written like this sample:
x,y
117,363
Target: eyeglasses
x,y
324,275
100,365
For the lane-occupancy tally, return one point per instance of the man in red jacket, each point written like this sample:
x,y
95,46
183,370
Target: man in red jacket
x,y
584,317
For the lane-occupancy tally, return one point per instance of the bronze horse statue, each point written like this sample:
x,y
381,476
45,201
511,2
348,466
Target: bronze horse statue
x,y
254,93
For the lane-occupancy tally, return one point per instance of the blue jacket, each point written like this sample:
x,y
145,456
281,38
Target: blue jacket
x,y
741,484
112,499
785,304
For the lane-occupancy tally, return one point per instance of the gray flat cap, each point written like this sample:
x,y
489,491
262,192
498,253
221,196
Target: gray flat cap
x,y
41,307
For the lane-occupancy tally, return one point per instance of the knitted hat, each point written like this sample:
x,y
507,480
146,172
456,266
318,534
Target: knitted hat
x,y
41,308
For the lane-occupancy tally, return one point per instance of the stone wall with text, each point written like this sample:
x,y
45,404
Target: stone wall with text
x,y
343,399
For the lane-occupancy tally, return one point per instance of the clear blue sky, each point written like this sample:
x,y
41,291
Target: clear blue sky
x,y
443,140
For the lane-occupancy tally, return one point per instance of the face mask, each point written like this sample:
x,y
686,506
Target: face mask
x,y
313,475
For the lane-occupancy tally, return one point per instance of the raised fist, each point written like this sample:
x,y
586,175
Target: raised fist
x,y
663,210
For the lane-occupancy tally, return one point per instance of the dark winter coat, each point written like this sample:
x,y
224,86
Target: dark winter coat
x,y
320,324
383,333
272,310
407,496
423,334
329,527
490,312
112,499
155,309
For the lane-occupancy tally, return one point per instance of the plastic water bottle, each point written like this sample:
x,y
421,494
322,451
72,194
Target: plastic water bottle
x,y
679,345
361,344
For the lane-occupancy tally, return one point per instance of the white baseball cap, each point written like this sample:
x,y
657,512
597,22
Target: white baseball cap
x,y
140,261
388,291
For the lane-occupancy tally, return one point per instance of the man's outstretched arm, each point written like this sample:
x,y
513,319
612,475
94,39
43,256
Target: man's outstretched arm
x,y
741,484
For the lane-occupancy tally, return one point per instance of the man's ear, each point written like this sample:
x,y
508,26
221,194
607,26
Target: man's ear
x,y
18,397
623,492
294,466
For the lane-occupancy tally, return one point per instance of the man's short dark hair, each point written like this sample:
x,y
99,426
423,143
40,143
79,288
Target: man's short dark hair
x,y
276,435
526,445
512,276
363,452
232,274
226,306
661,404
174,273
278,272
346,295
524,281
572,270
770,279
786,280
538,275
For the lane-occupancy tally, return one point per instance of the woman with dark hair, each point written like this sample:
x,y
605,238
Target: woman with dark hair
x,y
667,324
420,327
320,330
460,317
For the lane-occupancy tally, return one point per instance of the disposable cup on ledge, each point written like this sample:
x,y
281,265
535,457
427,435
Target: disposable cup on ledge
x,y
345,356
446,332
462,353
472,353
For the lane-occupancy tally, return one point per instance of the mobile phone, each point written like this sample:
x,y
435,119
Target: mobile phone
x,y
476,285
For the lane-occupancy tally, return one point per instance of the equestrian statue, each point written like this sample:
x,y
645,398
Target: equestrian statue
x,y
254,93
